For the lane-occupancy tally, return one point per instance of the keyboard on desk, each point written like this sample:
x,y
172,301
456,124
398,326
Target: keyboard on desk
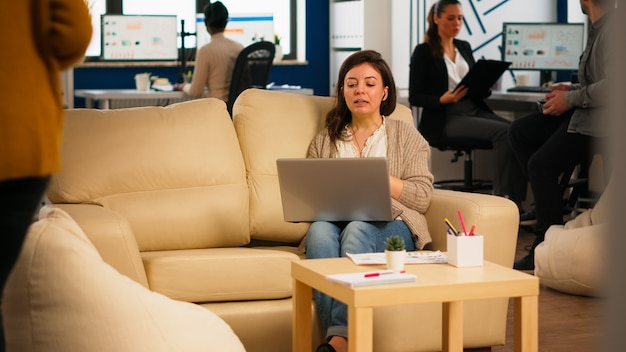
x,y
529,89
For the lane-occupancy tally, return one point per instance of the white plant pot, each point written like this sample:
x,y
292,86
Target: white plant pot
x,y
278,55
395,260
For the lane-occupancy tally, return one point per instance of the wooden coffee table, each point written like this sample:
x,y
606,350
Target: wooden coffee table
x,y
435,283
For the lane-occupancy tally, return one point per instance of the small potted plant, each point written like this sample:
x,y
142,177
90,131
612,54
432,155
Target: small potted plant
x,y
278,55
395,251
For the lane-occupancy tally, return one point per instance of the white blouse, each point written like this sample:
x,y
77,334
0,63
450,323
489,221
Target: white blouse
x,y
375,145
456,69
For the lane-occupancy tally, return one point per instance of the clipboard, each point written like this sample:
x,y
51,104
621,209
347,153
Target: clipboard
x,y
482,76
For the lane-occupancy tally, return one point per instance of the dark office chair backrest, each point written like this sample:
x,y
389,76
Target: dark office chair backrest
x,y
252,70
461,146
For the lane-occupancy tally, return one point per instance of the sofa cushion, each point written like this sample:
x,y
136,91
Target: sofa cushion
x,y
61,296
175,172
221,274
257,115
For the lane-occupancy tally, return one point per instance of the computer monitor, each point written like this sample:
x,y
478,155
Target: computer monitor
x,y
245,28
139,37
544,47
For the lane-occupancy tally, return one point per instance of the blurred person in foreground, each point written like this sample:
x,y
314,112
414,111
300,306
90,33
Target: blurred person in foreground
x,y
40,38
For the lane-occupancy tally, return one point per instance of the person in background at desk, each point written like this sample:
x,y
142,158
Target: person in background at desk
x,y
215,61
357,127
437,66
39,39
563,135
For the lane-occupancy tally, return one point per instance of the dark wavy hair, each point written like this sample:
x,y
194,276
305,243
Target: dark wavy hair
x,y
432,33
339,116
216,15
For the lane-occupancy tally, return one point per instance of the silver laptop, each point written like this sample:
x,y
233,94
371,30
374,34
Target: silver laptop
x,y
336,189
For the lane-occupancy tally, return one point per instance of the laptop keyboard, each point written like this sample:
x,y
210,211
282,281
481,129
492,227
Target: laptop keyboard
x,y
529,89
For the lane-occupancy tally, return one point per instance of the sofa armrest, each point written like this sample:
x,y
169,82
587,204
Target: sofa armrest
x,y
111,234
496,218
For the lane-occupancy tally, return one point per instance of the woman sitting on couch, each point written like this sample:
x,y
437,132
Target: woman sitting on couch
x,y
357,126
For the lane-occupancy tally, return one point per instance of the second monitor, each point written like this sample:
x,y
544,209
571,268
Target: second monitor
x,y
542,46
243,28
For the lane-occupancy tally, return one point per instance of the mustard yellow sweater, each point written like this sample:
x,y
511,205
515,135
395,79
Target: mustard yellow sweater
x,y
38,39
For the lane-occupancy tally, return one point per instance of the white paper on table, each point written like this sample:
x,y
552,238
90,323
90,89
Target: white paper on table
x,y
416,257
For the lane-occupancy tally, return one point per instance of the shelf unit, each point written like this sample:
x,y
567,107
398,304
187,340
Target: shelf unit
x,y
384,26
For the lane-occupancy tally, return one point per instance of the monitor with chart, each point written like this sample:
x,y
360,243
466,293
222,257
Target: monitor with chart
x,y
542,46
139,37
245,28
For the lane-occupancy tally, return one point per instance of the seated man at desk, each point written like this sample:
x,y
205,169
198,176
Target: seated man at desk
x,y
571,123
214,61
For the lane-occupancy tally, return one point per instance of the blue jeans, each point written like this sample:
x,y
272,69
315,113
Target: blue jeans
x,y
335,239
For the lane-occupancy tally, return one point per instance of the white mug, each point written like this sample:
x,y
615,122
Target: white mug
x,y
142,82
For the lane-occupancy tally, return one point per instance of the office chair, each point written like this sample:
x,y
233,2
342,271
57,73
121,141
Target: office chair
x,y
579,192
252,70
462,146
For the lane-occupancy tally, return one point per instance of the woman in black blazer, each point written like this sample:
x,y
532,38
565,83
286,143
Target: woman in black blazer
x,y
437,66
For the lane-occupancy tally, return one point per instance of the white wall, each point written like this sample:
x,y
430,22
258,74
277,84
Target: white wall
x,y
401,43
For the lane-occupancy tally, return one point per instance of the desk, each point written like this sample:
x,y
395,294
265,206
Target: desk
x,y
303,91
106,95
435,283
514,102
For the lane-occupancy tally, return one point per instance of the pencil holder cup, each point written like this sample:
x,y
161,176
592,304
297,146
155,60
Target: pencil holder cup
x,y
465,250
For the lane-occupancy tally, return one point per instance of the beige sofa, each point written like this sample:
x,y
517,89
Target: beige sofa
x,y
62,297
186,202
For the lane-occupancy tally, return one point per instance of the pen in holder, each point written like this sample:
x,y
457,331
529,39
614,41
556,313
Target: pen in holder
x,y
465,250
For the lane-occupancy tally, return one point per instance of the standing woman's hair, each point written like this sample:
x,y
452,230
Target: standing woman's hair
x,y
339,116
432,33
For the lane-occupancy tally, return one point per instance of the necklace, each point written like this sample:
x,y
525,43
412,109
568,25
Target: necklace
x,y
359,146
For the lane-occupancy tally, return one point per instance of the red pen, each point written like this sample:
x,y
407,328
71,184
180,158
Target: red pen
x,y
462,222
472,231
378,273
